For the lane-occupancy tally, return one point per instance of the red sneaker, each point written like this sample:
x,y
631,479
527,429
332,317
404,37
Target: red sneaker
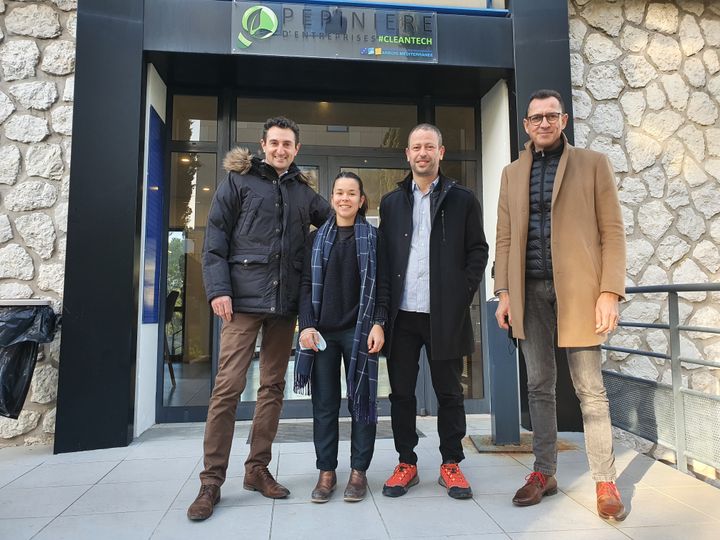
x,y
403,478
452,478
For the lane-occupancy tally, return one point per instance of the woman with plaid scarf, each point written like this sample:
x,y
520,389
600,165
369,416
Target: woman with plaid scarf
x,y
339,317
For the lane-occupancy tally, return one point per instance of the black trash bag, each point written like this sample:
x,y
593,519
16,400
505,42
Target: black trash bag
x,y
21,329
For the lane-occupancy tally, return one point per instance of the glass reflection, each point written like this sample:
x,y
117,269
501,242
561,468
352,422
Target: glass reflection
x,y
194,118
188,328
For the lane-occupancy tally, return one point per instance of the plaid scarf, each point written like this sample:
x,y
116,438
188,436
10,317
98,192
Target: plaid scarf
x,y
362,374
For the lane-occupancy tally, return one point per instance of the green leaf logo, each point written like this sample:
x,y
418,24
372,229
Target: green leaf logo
x,y
259,22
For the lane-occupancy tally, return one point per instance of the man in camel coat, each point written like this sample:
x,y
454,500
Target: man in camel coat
x,y
560,267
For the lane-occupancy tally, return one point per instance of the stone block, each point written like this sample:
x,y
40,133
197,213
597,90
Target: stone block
x,y
662,17
59,58
691,39
9,164
38,95
18,59
38,232
45,160
31,195
9,428
33,21
665,53
15,263
671,249
44,384
26,128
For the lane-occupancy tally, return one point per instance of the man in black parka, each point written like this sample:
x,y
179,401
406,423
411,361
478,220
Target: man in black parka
x,y
432,261
252,262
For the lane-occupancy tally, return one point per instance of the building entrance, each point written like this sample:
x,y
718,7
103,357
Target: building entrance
x,y
365,138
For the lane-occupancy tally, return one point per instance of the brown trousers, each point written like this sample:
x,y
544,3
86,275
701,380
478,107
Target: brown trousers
x,y
237,346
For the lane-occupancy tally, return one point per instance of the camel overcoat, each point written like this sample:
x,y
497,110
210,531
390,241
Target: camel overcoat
x,y
587,240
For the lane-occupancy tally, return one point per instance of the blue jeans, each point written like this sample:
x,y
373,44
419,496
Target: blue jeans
x,y
326,401
538,348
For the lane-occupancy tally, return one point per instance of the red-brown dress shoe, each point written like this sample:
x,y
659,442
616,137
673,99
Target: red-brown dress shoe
x,y
261,480
202,506
537,485
609,504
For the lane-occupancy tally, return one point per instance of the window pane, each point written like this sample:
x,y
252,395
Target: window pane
x,y
194,118
330,124
457,125
188,327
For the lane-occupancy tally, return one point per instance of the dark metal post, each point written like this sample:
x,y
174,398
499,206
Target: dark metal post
x,y
679,403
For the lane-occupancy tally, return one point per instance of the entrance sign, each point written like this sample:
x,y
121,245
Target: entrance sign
x,y
333,31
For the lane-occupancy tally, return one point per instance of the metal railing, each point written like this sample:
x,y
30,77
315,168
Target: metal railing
x,y
684,420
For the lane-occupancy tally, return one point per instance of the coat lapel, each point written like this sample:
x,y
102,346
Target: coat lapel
x,y
520,192
562,165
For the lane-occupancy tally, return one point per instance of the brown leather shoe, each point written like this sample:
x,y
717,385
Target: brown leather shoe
x,y
202,506
261,480
609,504
356,486
537,485
327,480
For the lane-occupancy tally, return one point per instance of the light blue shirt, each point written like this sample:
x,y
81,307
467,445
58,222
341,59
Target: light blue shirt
x,y
416,296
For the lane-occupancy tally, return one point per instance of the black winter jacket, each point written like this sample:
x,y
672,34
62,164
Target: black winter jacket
x,y
256,232
538,256
458,255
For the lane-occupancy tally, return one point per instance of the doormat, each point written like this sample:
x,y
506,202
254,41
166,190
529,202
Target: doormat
x,y
303,432
484,444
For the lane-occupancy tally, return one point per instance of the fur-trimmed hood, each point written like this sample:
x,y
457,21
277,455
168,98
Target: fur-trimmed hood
x,y
238,160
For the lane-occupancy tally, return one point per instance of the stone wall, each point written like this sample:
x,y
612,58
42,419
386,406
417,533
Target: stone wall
x,y
646,91
37,62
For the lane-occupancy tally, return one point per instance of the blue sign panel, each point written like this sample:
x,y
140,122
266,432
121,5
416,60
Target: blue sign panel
x,y
153,219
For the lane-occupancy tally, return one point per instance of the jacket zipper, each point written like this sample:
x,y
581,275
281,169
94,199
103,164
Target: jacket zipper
x,y
542,215
442,216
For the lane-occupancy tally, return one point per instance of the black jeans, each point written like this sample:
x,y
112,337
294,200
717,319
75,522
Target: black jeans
x,y
410,332
326,400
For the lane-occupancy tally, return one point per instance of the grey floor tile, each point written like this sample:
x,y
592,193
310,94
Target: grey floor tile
x,y
37,502
336,519
488,460
167,449
417,517
64,474
121,526
107,454
13,471
129,497
701,497
490,536
501,479
595,534
706,531
22,528
151,470
646,507
546,516
251,522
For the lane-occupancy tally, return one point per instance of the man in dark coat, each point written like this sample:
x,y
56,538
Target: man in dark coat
x,y
432,261
252,263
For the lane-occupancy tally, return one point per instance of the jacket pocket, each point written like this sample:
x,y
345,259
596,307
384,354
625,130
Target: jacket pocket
x,y
249,212
250,258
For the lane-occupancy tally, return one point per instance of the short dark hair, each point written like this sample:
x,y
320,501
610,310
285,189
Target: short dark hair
x,y
544,94
283,123
348,174
426,127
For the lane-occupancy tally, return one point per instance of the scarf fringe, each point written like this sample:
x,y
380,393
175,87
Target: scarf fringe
x,y
302,384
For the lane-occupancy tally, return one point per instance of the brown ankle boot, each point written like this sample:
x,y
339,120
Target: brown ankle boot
x,y
202,507
261,480
356,486
609,504
324,487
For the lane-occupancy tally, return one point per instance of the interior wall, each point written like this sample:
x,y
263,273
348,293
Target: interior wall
x,y
148,337
495,119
